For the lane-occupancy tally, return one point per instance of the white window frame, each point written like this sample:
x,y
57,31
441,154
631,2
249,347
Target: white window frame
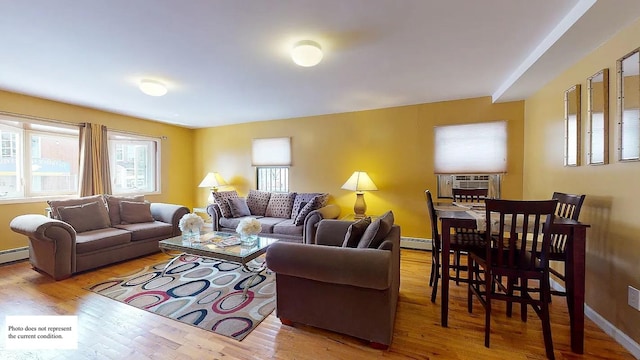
x,y
25,129
272,178
153,148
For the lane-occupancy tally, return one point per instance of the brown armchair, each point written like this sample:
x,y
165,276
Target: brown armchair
x,y
353,291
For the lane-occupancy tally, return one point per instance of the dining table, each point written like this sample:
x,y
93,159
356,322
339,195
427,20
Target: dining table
x,y
455,217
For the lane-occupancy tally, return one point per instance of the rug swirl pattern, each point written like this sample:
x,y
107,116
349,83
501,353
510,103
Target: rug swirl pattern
x,y
203,292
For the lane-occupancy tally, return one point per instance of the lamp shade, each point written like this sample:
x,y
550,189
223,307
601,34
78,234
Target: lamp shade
x,y
212,180
306,53
359,181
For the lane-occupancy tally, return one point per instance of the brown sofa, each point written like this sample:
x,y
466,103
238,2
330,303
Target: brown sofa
x,y
94,231
353,291
290,217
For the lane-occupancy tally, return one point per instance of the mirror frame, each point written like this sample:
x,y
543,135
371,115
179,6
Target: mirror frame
x,y
621,102
591,99
576,89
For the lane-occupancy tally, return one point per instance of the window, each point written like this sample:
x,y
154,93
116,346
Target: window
x,y
37,160
134,163
470,156
273,179
272,156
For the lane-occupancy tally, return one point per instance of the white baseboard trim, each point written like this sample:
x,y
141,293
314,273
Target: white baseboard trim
x,y
608,328
415,243
14,254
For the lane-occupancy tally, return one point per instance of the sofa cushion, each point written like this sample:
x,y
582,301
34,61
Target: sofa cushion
x,y
355,232
54,204
287,227
147,230
85,217
377,231
314,204
257,201
113,203
280,205
232,223
95,240
238,207
300,201
132,212
221,199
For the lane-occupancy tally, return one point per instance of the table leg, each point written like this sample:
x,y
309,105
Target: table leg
x,y
575,283
170,262
444,255
255,271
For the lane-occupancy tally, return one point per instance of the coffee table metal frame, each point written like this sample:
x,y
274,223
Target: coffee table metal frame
x,y
207,247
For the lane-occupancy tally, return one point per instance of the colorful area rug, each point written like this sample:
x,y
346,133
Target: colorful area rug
x,y
198,291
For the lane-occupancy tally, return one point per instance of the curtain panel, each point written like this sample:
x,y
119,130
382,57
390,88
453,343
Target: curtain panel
x,y
95,177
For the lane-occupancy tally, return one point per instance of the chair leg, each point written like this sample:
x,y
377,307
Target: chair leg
x,y
524,285
433,270
434,289
487,311
457,256
546,325
471,273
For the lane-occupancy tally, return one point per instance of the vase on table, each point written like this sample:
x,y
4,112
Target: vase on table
x,y
191,235
248,239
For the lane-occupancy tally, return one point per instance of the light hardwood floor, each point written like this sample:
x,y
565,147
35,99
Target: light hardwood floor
x,y
112,330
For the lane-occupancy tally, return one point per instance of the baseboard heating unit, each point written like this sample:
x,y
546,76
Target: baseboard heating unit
x,y
16,254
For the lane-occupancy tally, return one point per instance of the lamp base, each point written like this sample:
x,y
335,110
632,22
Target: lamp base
x,y
360,207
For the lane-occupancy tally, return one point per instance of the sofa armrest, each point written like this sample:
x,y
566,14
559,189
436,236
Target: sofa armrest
x,y
51,244
214,212
366,268
170,214
330,211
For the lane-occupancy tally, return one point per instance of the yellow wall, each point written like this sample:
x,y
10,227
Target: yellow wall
x,y
177,177
611,205
394,145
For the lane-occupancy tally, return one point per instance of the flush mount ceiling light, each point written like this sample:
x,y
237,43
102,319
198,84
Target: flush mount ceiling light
x,y
306,53
152,87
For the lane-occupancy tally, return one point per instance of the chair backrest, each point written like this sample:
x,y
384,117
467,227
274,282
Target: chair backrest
x,y
569,205
517,229
469,195
435,236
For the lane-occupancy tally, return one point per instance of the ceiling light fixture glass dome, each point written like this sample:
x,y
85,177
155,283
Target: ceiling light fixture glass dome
x,y
152,87
306,53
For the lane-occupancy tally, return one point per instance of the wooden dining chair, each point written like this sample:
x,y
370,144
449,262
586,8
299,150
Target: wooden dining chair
x,y
459,242
568,207
466,196
506,270
469,195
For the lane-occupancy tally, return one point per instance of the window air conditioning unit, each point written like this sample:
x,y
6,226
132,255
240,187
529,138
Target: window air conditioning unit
x,y
470,182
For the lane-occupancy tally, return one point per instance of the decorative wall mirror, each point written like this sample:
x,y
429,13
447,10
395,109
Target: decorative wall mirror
x,y
629,107
598,113
572,126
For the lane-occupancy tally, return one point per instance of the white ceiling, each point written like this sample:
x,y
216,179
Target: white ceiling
x,y
227,61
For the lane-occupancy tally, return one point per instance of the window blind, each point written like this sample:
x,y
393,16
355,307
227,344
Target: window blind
x,y
271,152
479,148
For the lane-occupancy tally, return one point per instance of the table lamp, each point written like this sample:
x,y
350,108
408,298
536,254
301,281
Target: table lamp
x,y
213,180
359,182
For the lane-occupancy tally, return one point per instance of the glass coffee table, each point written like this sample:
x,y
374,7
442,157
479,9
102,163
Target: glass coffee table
x,y
220,245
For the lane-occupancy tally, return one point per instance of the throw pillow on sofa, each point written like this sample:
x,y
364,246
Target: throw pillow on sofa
x,y
314,204
55,204
355,232
257,201
221,199
85,217
113,204
133,212
239,207
280,205
377,231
